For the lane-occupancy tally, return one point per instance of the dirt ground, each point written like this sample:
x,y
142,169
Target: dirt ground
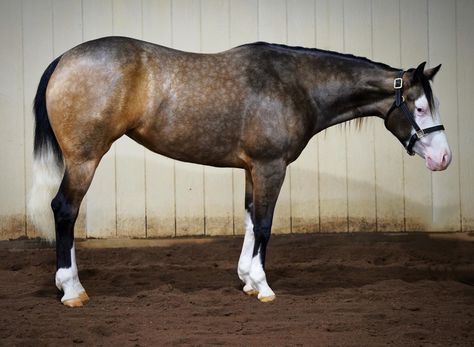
x,y
332,290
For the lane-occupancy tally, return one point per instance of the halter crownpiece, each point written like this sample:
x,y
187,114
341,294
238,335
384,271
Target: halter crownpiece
x,y
400,103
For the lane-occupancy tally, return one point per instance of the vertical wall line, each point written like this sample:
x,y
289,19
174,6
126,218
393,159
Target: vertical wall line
x,y
203,169
373,121
229,43
174,161
345,127
144,149
115,147
403,160
315,16
429,63
52,27
25,226
457,111
289,166
233,203
401,152
82,29
258,20
84,200
171,23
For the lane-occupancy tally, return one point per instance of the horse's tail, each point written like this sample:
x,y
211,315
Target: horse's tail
x,y
48,166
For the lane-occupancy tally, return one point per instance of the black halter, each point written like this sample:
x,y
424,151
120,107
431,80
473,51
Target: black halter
x,y
400,103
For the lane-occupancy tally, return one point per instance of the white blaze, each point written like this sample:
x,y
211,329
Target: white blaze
x,y
433,147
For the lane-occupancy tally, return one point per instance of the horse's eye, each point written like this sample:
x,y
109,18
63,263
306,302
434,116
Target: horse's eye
x,y
419,109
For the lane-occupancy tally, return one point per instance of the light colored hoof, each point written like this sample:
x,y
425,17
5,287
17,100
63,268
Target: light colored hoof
x,y
84,297
76,302
267,298
251,292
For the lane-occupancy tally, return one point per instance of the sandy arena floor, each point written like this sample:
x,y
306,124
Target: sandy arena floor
x,y
332,290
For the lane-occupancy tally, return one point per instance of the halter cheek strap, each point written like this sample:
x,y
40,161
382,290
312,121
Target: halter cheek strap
x,y
400,103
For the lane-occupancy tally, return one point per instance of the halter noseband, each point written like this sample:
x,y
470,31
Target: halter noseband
x,y
400,103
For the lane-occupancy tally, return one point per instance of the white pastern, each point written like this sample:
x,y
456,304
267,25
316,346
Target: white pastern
x,y
245,260
67,280
259,280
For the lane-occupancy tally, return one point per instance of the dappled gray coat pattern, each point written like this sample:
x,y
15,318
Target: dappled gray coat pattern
x,y
253,107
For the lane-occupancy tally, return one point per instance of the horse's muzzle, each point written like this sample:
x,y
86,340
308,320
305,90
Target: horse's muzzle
x,y
439,161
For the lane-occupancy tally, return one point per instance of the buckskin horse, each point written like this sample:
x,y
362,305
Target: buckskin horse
x,y
253,107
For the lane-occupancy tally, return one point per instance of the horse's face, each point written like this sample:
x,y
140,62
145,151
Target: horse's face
x,y
424,107
434,147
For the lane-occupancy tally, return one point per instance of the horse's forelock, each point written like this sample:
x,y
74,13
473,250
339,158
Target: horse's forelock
x,y
426,85
420,78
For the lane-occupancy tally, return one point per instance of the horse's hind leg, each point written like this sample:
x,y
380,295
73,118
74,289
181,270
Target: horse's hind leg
x,y
245,260
65,205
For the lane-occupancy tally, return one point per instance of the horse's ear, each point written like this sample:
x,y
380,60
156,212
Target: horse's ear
x,y
419,71
430,73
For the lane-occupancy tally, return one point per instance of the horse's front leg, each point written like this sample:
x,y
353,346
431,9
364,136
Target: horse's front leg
x,y
267,180
245,260
65,207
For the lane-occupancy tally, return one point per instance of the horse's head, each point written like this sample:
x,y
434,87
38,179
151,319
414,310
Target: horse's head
x,y
414,118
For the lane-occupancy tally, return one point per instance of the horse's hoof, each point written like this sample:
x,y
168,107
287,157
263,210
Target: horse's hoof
x,y
251,292
76,302
267,298
84,297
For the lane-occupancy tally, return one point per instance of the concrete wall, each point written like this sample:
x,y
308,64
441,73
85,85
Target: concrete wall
x,y
345,180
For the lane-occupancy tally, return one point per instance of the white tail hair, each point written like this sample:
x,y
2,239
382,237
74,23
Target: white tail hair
x,y
47,176
47,165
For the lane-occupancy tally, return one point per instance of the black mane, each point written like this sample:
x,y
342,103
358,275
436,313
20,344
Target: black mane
x,y
321,51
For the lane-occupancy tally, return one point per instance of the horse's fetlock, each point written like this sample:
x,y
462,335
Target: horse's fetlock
x,y
243,269
257,274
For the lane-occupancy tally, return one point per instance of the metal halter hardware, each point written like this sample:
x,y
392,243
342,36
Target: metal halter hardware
x,y
400,103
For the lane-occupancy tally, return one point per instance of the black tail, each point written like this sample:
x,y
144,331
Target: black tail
x,y
44,135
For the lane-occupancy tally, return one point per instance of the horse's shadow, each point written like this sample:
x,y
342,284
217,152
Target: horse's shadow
x,y
296,281
318,267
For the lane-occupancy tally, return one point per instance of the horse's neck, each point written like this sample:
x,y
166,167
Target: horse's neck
x,y
361,90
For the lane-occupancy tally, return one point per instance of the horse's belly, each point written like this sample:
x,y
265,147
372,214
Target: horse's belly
x,y
212,144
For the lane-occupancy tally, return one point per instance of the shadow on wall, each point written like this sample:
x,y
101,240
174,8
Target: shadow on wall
x,y
333,213
386,212
328,214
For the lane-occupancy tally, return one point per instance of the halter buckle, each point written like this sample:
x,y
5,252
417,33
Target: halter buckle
x,y
420,134
398,83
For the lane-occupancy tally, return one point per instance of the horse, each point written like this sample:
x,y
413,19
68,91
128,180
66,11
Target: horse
x,y
253,107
